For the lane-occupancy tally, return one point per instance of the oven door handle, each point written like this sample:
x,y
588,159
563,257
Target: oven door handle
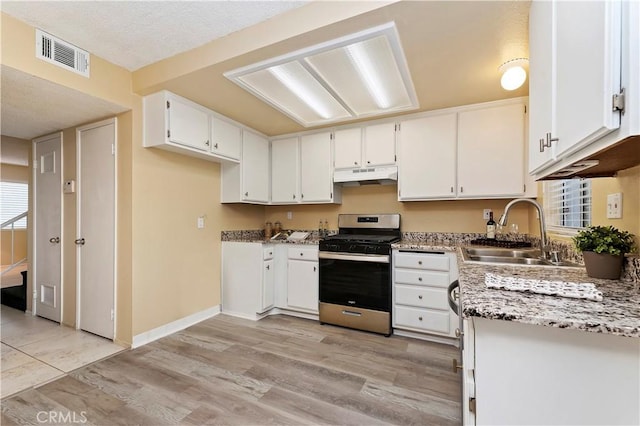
x,y
455,307
357,257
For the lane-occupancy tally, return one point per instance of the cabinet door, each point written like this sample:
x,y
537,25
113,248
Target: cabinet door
x,y
316,178
284,171
379,144
188,125
427,158
348,148
302,285
225,138
588,59
255,168
541,87
491,151
268,286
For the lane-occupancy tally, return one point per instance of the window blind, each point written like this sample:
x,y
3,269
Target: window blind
x,y
14,200
567,203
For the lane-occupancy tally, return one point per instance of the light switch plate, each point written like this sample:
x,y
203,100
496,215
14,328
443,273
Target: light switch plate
x,y
614,206
485,214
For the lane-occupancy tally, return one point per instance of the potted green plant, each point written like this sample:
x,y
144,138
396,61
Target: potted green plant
x,y
603,249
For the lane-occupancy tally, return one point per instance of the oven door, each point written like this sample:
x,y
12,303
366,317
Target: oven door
x,y
358,280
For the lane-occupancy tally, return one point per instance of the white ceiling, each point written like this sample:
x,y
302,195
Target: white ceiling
x,y
133,34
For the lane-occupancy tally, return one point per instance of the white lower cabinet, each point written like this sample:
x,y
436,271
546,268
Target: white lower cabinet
x,y
248,284
420,281
302,278
536,375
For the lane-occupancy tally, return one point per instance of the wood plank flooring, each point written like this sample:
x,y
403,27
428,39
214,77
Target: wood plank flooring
x,y
280,370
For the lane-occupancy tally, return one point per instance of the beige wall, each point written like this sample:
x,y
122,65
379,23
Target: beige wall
x,y
176,269
12,173
19,239
421,216
626,182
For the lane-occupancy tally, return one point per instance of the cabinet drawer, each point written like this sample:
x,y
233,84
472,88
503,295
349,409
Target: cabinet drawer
x,y
437,262
303,253
422,297
422,319
417,277
267,253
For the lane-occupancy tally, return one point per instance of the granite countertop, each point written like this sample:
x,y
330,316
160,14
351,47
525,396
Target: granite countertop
x,y
257,236
618,313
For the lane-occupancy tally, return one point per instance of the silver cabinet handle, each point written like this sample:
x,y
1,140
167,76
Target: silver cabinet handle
x,y
246,194
207,143
419,262
420,296
54,240
294,196
314,269
452,189
420,318
461,189
268,267
79,241
216,145
542,145
420,279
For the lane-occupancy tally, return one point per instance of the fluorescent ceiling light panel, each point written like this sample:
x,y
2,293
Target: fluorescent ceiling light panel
x,y
360,75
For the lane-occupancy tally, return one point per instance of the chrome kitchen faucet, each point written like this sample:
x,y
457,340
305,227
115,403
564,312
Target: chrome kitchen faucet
x,y
543,229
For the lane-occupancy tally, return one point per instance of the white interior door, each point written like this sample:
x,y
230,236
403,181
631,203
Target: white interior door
x,y
47,269
96,146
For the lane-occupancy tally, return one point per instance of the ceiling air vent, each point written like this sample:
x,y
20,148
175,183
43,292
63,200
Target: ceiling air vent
x,y
61,53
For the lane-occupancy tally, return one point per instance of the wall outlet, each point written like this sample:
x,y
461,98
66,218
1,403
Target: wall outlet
x,y
289,215
614,206
200,222
485,214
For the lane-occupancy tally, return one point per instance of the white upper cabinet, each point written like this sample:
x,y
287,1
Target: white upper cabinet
x,y
301,170
176,124
226,138
316,173
366,146
348,148
188,124
476,151
247,181
255,168
541,90
581,56
285,162
491,151
427,158
379,144
587,71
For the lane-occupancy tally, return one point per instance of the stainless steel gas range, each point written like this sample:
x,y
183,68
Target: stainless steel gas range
x,y
355,272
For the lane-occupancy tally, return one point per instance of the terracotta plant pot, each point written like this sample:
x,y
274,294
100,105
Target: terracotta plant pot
x,y
601,265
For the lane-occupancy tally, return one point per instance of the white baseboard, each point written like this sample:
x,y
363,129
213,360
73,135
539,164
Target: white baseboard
x,y
173,327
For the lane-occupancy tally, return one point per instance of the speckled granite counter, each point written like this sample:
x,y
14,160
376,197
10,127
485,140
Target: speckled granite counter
x,y
618,313
257,236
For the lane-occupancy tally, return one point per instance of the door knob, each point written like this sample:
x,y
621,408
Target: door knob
x,y
80,241
54,240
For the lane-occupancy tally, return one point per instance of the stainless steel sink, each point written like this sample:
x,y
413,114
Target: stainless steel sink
x,y
491,255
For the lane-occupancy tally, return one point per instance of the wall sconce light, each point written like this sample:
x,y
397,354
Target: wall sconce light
x,y
513,73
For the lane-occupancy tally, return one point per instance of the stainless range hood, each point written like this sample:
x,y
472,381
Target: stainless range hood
x,y
387,175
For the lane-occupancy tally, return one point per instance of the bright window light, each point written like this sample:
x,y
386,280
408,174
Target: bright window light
x,y
357,76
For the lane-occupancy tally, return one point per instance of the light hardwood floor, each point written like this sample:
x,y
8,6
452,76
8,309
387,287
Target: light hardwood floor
x,y
280,370
36,350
